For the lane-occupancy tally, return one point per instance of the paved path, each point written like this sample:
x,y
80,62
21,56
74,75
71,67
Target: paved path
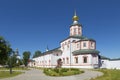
x,y
35,74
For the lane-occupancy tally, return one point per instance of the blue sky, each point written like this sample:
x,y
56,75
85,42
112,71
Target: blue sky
x,y
31,25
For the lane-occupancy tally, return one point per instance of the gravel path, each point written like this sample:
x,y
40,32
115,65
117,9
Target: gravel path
x,y
35,74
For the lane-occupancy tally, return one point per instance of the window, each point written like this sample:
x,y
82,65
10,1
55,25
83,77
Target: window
x,y
63,46
57,54
49,61
45,61
65,43
92,44
63,60
84,59
78,32
34,63
67,60
71,30
76,59
68,44
84,44
77,45
74,30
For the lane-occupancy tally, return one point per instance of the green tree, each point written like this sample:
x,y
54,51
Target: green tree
x,y
37,53
26,57
12,60
5,51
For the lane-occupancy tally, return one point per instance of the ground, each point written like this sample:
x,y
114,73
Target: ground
x,y
35,74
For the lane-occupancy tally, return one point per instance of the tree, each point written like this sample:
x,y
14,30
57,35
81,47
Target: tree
x,y
59,63
37,53
12,61
26,57
5,51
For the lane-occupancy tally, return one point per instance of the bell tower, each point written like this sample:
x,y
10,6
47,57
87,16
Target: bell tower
x,y
75,28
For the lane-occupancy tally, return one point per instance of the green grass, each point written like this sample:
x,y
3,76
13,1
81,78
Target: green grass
x,y
109,75
62,71
6,74
15,68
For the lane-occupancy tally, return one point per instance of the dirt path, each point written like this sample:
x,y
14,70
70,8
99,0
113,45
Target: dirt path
x,y
35,74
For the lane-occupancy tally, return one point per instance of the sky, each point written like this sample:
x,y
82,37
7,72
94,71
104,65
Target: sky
x,y
32,25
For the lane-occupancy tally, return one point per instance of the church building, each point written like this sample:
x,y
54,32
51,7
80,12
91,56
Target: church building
x,y
75,51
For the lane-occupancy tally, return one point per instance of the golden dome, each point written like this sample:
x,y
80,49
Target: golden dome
x,y
75,17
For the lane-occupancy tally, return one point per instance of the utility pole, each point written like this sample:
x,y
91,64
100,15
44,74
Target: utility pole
x,y
70,54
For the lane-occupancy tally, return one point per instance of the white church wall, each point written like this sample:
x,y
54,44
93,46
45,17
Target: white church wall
x,y
110,64
105,63
114,64
54,59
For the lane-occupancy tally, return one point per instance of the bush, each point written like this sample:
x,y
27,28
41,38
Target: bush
x,y
50,72
64,70
61,71
56,70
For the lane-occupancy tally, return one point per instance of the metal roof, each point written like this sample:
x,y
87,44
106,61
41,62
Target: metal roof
x,y
85,51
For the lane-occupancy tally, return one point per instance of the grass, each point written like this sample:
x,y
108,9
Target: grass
x,y
6,74
62,71
15,68
109,75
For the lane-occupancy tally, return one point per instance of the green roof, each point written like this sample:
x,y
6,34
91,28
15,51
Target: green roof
x,y
78,37
76,24
82,38
115,59
103,57
87,39
51,51
86,51
106,58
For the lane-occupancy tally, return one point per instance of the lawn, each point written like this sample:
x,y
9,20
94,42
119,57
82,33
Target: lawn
x,y
109,75
15,68
6,74
62,71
